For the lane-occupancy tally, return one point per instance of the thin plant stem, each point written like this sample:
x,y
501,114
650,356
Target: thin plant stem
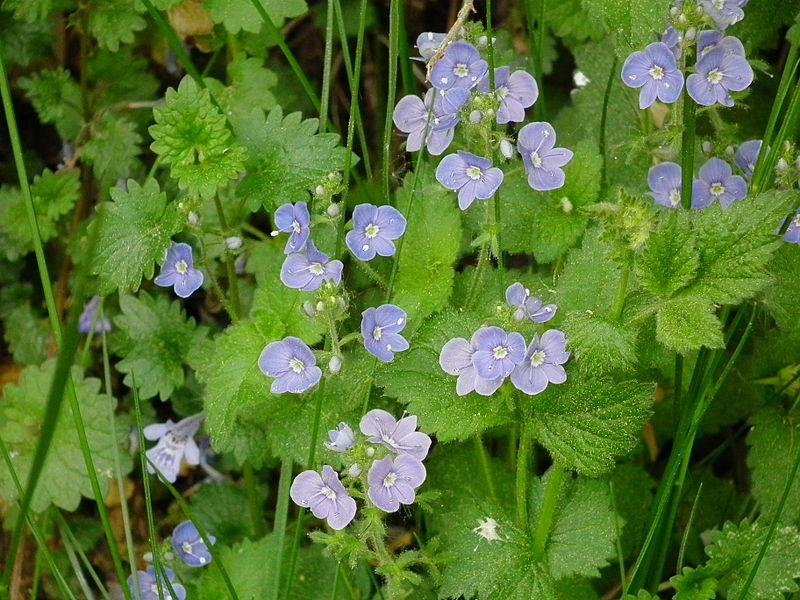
x,y
490,44
281,517
77,557
483,458
612,77
687,150
547,510
373,274
483,259
391,91
325,97
618,539
523,467
230,267
622,290
688,530
253,502
404,51
174,43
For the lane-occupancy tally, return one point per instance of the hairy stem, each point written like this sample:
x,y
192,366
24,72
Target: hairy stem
x,y
547,511
523,468
483,458
687,150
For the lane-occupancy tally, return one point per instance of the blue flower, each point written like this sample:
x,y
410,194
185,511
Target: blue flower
x,y
665,184
149,585
747,156
175,443
380,329
461,67
711,39
307,270
178,271
717,182
472,176
189,545
672,40
528,307
431,122
655,71
455,358
374,229
497,353
400,437
292,364
724,12
792,234
341,438
517,91
717,74
89,317
542,160
427,43
294,220
325,496
542,363
393,482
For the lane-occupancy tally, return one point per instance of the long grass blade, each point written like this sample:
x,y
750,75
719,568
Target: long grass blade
x,y
391,91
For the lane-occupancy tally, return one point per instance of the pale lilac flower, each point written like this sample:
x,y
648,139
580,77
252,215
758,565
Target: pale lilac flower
x,y
427,43
341,438
175,443
431,122
655,71
456,359
149,585
380,328
374,229
672,40
496,352
89,317
517,91
665,184
460,67
712,39
392,482
792,234
528,307
178,271
472,176
292,364
189,545
308,269
293,219
542,363
724,12
543,161
717,182
325,496
747,156
716,75
400,437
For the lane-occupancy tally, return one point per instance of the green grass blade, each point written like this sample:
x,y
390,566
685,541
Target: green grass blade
x,y
391,91
326,68
688,530
174,43
281,516
70,546
618,540
406,73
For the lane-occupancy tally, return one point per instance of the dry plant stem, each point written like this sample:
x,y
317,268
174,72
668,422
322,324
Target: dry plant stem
x,y
466,9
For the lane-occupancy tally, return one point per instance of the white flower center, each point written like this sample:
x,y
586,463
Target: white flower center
x,y
296,226
536,160
474,173
376,334
502,92
656,72
296,365
317,269
461,70
181,267
537,358
371,230
715,77
717,189
500,352
674,197
186,547
328,493
389,480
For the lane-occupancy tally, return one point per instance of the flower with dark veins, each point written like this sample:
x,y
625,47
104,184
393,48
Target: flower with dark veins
x,y
470,175
292,364
430,122
400,437
542,160
542,363
712,39
293,219
747,157
175,443
340,439
189,545
393,482
718,74
325,496
516,91
497,353
380,330
724,13
717,182
308,269
655,72
374,230
178,271
455,358
527,306
665,184
461,67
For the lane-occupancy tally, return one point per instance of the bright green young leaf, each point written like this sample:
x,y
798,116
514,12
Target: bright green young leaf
x,y
136,228
586,424
237,15
64,479
598,345
113,22
688,323
56,97
670,259
191,136
155,339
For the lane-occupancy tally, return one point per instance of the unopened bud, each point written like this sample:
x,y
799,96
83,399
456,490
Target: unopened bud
x,y
691,33
682,19
335,364
782,165
308,308
566,205
674,11
370,452
707,147
730,151
354,470
699,10
233,243
319,191
482,41
333,210
475,116
193,219
320,306
506,149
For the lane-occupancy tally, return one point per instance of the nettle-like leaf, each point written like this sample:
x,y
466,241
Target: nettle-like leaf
x,y
688,323
24,43
136,228
56,96
288,158
550,223
54,195
64,479
670,259
112,22
191,135
113,148
416,379
589,279
249,85
155,339
599,345
634,23
249,566
236,15
120,76
27,335
29,10
430,248
774,442
586,424
781,298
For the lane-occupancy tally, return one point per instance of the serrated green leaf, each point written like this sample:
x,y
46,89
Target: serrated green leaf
x,y
113,148
249,85
64,479
192,137
237,15
599,345
120,76
586,424
634,23
633,495
136,228
29,10
24,43
27,335
670,259
688,323
589,279
781,298
154,339
56,96
112,22
249,566
223,510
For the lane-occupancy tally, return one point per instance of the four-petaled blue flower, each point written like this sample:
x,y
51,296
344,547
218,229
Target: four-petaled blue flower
x,y
325,496
308,269
496,353
461,67
189,545
89,317
517,91
393,482
724,12
341,438
294,220
374,229
717,182
712,39
665,184
149,585
431,122
428,42
543,161
747,156
400,437
380,328
178,271
792,234
175,443
542,363
717,74
472,176
655,71
292,364
456,359
528,307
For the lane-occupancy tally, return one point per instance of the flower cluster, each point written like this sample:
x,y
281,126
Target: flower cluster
x,y
396,450
492,354
715,183
721,66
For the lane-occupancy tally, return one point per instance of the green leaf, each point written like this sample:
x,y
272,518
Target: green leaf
x,y
670,260
64,479
416,379
24,43
548,224
633,495
120,77
154,339
249,566
223,510
430,248
287,157
249,85
29,10
589,279
694,584
586,424
774,442
688,323
136,228
237,15
192,137
780,298
598,345
634,23
27,335
112,149
112,22
56,97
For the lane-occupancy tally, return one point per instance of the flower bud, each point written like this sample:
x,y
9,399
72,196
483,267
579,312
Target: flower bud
x,y
319,191
475,116
320,306
482,41
370,452
566,205
335,364
580,79
233,243
308,309
782,165
354,470
506,149
674,11
708,148
193,218
333,210
730,151
682,19
691,33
